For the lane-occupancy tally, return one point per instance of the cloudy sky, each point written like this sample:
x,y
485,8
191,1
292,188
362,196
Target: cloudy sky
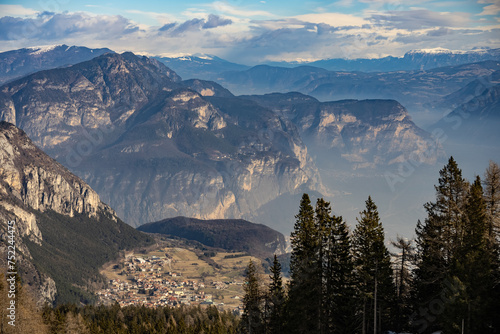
x,y
253,31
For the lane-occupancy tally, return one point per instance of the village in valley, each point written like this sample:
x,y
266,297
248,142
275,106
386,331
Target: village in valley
x,y
174,276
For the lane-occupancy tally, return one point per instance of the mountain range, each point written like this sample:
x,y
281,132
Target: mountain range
x,y
416,90
424,59
210,67
205,67
153,147
156,146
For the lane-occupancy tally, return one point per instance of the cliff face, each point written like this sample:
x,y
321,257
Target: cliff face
x,y
363,134
200,158
155,147
32,187
39,182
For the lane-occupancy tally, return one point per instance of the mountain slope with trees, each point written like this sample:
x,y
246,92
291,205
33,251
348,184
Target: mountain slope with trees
x,y
229,234
64,233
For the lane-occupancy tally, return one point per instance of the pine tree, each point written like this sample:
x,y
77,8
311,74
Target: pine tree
x,y
304,300
373,268
473,267
340,300
323,224
405,258
438,241
252,319
276,299
492,200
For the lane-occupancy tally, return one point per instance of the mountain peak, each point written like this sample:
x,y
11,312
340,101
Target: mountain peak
x,y
18,63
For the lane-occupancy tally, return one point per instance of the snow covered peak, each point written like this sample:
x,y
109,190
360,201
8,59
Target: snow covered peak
x,y
433,51
203,56
43,48
436,51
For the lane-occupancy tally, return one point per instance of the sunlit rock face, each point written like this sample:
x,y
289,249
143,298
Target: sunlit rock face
x,y
31,182
363,134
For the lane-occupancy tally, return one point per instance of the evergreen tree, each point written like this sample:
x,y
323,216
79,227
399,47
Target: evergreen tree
x,y
473,268
323,222
304,299
276,299
405,258
492,200
438,240
373,268
340,300
252,319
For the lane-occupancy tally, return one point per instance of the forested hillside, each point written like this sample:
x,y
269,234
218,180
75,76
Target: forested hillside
x,y
348,282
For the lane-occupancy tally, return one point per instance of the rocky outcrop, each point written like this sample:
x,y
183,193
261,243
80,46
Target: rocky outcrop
x,y
43,184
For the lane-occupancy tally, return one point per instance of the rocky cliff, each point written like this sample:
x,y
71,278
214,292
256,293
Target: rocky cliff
x,y
33,190
363,134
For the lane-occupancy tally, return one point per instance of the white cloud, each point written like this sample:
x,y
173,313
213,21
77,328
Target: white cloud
x,y
333,19
221,7
16,10
51,27
422,18
161,18
493,9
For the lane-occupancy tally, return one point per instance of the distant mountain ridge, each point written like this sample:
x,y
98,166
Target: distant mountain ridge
x,y
425,59
212,67
200,66
413,89
477,119
18,63
230,234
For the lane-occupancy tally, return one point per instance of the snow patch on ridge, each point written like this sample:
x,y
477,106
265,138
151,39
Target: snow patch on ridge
x,y
43,49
